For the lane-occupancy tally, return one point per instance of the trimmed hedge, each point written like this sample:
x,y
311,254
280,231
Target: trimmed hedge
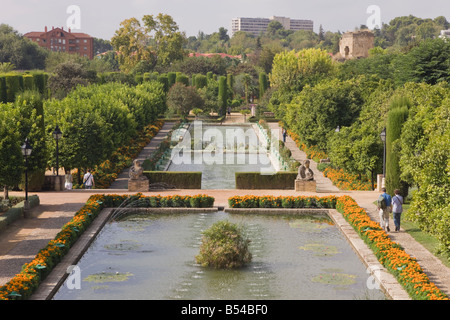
x,y
16,212
255,180
13,83
179,179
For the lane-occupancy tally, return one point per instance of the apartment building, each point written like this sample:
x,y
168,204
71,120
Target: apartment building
x,y
58,39
256,26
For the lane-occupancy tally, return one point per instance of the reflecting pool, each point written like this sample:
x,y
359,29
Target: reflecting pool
x,y
152,257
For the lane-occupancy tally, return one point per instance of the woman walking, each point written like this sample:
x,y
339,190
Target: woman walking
x,y
397,208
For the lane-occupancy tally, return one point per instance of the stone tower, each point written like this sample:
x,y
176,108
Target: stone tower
x,y
356,44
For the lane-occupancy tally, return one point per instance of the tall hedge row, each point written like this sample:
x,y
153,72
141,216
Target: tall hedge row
x,y
12,84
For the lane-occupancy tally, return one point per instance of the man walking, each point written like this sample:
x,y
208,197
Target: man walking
x,y
384,208
88,180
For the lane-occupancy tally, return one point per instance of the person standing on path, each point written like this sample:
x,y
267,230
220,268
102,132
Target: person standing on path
x,y
384,208
68,180
397,208
88,180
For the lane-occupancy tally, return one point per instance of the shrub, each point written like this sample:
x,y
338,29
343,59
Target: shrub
x,y
224,247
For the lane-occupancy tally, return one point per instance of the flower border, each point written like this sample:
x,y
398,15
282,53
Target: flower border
x,y
391,255
27,281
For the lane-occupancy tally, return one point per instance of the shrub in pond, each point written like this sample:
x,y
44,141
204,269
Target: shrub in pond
x,y
224,247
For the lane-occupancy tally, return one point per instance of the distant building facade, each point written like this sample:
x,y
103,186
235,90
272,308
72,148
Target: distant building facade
x,y
356,44
60,40
256,26
445,34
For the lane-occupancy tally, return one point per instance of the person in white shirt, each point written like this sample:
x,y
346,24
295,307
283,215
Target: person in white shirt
x,y
88,180
397,208
69,180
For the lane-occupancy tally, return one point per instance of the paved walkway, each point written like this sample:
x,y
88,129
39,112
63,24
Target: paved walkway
x,y
21,241
122,180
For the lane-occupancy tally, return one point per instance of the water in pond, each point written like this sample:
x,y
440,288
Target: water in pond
x,y
153,257
219,152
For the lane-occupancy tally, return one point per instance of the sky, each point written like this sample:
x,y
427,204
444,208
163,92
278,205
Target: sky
x,y
101,18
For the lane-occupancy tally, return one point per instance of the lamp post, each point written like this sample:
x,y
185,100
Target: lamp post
x,y
57,134
26,152
383,138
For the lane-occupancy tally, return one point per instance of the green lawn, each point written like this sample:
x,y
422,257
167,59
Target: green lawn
x,y
427,240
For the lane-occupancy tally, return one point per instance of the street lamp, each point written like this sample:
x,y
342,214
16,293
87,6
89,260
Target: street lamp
x,y
383,138
26,152
57,134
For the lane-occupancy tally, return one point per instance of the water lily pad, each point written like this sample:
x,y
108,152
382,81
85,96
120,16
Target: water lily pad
x,y
320,249
307,226
108,277
339,279
124,245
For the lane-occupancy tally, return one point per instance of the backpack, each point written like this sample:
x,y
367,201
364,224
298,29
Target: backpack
x,y
382,202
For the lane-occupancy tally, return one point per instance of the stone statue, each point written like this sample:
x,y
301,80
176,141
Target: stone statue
x,y
136,171
304,172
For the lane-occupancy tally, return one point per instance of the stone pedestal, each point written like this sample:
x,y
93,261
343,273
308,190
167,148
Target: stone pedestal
x,y
138,185
302,185
54,183
380,182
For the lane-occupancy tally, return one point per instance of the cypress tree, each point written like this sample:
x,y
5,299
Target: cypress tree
x,y
181,78
172,76
13,86
2,89
164,79
263,84
223,95
397,115
200,81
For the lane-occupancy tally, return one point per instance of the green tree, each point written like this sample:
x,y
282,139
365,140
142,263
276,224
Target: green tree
x,y
66,77
263,84
19,50
397,115
11,159
167,41
130,41
317,111
223,95
30,124
293,70
424,160
428,62
182,99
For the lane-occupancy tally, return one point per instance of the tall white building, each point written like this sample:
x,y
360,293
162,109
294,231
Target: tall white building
x,y
256,26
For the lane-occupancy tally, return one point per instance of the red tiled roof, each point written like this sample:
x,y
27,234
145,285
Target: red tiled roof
x,y
74,34
33,34
209,55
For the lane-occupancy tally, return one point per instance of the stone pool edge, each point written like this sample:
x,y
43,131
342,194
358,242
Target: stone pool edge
x,y
51,284
388,284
